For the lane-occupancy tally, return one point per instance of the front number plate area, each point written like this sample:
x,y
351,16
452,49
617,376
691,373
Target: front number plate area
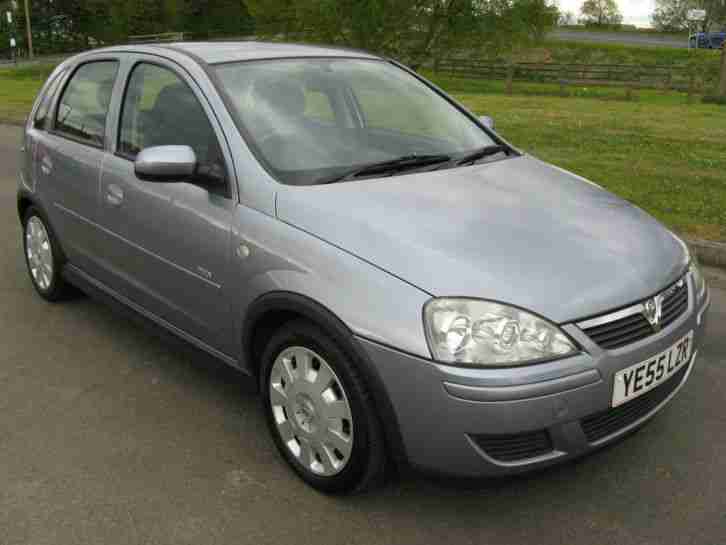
x,y
642,377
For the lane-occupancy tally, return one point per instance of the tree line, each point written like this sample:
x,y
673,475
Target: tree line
x,y
413,31
65,25
672,15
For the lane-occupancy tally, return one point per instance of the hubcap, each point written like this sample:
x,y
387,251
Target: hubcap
x,y
311,411
39,252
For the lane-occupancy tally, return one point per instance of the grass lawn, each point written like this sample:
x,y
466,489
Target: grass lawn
x,y
659,152
18,87
667,158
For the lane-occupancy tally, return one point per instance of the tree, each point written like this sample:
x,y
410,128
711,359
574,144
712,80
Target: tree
x,y
206,18
566,18
414,31
672,15
601,13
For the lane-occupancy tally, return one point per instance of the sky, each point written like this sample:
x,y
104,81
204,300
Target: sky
x,y
635,12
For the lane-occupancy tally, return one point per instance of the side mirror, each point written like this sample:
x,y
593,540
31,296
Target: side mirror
x,y
166,164
487,121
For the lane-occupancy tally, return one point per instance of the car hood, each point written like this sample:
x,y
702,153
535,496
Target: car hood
x,y
518,231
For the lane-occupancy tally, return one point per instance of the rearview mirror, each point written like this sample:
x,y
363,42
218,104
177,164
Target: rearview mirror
x,y
487,121
166,164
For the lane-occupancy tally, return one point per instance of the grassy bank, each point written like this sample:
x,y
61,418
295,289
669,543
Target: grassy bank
x,y
18,87
666,158
658,151
608,53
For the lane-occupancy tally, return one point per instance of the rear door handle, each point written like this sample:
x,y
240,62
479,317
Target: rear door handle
x,y
114,195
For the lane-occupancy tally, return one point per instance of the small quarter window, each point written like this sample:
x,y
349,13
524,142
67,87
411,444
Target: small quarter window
x,y
83,107
41,114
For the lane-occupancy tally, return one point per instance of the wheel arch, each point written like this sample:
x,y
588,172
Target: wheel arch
x,y
25,201
271,311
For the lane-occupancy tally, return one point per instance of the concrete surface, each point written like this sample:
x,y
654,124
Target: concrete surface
x,y
623,38
111,436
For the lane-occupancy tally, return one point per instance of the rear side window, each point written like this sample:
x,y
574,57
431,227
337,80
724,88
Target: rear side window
x,y
41,114
83,107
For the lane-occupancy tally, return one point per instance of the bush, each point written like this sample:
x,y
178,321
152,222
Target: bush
x,y
713,99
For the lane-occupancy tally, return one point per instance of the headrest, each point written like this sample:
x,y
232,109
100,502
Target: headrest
x,y
280,94
104,93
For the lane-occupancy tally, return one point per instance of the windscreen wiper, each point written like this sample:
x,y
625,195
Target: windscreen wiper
x,y
481,153
392,165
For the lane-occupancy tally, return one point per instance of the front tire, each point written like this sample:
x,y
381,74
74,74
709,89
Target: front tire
x,y
320,412
43,258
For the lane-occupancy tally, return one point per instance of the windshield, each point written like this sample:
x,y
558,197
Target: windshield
x,y
313,119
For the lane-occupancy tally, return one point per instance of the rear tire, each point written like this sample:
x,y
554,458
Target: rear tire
x,y
43,258
320,411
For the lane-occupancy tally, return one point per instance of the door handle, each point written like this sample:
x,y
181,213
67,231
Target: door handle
x,y
114,195
46,165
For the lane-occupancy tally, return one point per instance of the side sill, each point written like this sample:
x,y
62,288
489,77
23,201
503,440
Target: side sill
x,y
84,281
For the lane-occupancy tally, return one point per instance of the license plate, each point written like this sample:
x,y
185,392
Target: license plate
x,y
644,376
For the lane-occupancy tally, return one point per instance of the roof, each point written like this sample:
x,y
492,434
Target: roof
x,y
216,52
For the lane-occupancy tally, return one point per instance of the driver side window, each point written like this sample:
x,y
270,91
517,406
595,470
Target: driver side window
x,y
160,109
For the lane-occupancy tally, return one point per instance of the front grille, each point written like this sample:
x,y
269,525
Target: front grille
x,y
674,305
513,448
605,423
624,331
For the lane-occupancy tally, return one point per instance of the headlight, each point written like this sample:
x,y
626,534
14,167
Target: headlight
x,y
699,282
480,333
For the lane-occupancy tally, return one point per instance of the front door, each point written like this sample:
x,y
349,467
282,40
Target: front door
x,y
168,245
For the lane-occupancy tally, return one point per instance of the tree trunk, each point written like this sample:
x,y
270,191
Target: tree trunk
x,y
29,30
722,82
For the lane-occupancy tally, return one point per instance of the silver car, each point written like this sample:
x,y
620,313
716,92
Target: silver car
x,y
406,287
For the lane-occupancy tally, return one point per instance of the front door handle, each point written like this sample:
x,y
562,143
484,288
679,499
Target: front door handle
x,y
114,195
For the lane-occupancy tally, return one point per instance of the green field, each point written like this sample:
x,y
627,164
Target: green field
x,y
561,51
658,151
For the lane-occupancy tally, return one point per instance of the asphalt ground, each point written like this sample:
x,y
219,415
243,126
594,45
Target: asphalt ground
x,y
109,435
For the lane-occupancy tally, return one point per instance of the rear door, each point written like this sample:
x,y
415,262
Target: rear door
x,y
168,245
70,155
38,124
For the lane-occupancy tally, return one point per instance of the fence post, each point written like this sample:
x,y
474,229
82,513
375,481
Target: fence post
x,y
563,81
722,79
691,87
510,78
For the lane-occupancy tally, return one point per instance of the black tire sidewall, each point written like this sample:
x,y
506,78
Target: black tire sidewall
x,y
366,430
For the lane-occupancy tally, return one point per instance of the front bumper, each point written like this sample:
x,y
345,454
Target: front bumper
x,y
448,417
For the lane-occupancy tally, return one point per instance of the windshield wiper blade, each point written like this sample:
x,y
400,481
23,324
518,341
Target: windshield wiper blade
x,y
392,165
481,153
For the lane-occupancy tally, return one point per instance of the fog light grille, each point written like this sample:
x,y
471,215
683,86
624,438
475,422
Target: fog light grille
x,y
513,448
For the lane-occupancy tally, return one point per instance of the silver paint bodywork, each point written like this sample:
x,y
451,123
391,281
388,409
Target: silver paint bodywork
x,y
371,252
